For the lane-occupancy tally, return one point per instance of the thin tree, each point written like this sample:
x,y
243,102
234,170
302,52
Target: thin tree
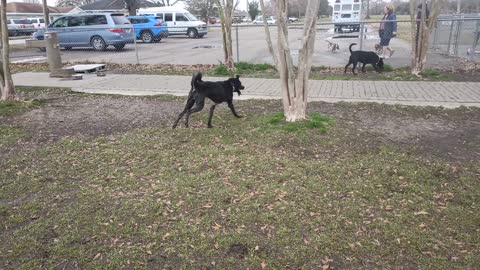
x,y
204,8
132,6
225,9
267,34
164,3
294,80
7,87
420,31
253,10
367,16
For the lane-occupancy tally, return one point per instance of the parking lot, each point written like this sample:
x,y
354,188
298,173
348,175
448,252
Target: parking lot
x,y
252,48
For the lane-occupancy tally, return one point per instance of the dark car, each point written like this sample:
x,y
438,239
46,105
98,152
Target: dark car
x,y
149,28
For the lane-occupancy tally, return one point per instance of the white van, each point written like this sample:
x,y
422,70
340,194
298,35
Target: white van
x,y
179,21
347,14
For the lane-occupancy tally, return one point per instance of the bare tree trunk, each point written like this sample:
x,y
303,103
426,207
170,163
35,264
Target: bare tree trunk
x,y
422,38
459,6
268,36
225,8
7,88
46,13
295,86
367,16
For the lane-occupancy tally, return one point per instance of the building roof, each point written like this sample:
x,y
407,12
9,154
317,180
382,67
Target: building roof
x,y
18,7
113,5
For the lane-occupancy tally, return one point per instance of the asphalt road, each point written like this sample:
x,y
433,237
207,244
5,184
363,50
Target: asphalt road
x,y
252,48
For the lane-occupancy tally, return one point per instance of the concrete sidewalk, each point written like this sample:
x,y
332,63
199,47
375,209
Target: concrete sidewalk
x,y
447,94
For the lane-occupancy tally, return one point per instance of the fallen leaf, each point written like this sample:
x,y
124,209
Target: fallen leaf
x,y
421,213
264,265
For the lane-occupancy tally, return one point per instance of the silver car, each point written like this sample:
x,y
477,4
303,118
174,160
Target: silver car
x,y
18,27
97,30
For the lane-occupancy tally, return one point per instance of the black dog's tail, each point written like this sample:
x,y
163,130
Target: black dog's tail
x,y
351,45
195,78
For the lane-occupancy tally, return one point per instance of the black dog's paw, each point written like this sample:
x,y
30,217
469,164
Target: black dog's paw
x,y
209,126
239,116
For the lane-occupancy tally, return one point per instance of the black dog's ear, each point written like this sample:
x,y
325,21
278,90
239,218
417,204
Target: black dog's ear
x,y
238,76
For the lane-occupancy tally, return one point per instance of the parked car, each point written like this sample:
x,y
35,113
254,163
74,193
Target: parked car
x,y
179,21
237,20
293,19
97,30
149,28
270,20
38,23
17,27
211,20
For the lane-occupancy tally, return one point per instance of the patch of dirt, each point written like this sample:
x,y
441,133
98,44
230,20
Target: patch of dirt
x,y
238,250
76,115
453,135
449,134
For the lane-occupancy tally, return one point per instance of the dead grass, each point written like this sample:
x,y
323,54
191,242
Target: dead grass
x,y
239,196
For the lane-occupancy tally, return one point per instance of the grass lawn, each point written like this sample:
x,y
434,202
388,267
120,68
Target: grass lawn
x,y
104,182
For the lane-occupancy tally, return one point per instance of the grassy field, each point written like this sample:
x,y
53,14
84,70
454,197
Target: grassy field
x,y
99,182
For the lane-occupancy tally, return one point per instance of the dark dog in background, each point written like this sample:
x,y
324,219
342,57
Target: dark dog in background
x,y
218,92
332,46
365,58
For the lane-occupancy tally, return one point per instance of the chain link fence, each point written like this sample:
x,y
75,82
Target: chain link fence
x,y
452,37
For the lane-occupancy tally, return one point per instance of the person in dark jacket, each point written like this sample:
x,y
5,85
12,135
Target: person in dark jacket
x,y
388,30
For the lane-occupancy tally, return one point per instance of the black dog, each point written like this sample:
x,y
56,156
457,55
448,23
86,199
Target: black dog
x,y
364,58
218,92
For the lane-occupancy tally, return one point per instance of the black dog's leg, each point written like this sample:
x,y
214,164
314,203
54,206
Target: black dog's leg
x,y
188,106
363,68
212,109
199,103
353,68
349,63
230,105
376,68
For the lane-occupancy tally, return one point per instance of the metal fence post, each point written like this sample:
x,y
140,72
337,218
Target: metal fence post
x,y
361,35
238,46
452,22
457,36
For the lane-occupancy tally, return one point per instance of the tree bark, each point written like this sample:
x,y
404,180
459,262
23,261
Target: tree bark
x,y
268,36
7,88
422,38
367,16
225,8
46,13
295,86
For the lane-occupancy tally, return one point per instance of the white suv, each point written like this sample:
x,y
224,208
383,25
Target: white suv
x,y
38,23
18,27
